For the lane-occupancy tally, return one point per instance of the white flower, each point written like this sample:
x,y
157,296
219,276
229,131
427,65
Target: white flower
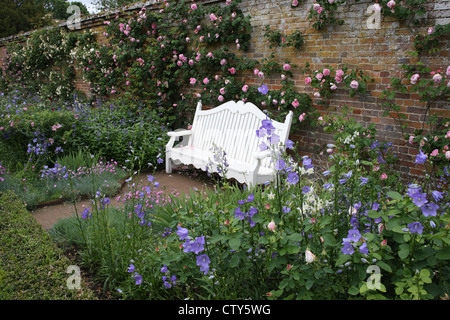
x,y
271,226
309,257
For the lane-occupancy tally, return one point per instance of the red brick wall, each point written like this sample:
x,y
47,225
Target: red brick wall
x,y
378,52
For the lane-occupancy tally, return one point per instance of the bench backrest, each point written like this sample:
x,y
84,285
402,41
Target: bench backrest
x,y
233,126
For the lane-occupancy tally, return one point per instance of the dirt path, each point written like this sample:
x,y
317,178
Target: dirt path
x,y
179,181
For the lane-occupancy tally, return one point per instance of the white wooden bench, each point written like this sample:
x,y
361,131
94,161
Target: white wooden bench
x,y
231,126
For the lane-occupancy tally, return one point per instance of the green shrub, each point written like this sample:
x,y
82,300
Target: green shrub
x,y
32,267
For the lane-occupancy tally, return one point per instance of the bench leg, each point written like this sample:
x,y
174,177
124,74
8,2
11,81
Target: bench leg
x,y
168,165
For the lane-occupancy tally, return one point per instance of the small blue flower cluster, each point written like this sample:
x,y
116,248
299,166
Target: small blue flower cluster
x,y
246,215
168,283
137,277
196,246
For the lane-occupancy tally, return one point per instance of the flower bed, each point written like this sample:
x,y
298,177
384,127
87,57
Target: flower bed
x,y
343,232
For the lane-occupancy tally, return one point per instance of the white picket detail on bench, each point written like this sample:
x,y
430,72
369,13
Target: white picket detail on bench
x,y
231,126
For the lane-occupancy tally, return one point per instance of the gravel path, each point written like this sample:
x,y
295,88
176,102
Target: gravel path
x,y
179,181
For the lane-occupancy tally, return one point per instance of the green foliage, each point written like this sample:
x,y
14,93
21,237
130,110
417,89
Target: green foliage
x,y
21,16
58,8
430,43
33,267
44,64
275,38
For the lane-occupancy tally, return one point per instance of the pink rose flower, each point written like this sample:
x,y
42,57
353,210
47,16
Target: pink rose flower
x,y
447,155
435,152
295,103
354,84
294,3
301,118
286,67
193,81
232,70
220,98
213,17
437,78
383,176
339,73
193,6
391,5
308,80
414,78
271,226
448,134
326,72
245,88
319,76
206,81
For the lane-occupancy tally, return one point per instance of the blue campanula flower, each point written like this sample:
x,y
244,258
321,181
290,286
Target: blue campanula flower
x,y
415,227
274,139
280,165
328,186
306,189
263,146
261,132
138,279
421,157
263,89
198,245
85,214
182,233
437,195
292,178
347,248
203,262
307,163
238,213
363,181
363,248
419,199
289,144
354,235
429,209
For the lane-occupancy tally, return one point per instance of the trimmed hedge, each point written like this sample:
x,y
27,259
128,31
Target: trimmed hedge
x,y
32,267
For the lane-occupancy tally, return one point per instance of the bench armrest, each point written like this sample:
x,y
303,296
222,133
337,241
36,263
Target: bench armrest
x,y
180,133
175,135
262,154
